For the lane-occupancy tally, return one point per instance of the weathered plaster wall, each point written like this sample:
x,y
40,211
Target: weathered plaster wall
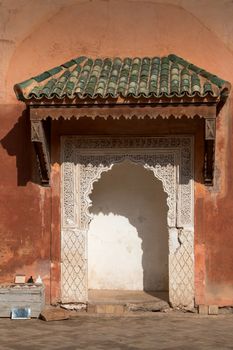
x,y
35,36
24,206
128,235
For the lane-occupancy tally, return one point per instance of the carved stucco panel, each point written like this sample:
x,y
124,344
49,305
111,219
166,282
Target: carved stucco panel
x,y
68,185
74,265
91,167
181,267
84,160
185,212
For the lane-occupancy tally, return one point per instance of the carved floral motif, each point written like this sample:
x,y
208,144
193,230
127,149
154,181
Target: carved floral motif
x,y
85,159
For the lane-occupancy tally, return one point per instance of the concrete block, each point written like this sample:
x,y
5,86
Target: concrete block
x,y
203,309
213,310
20,296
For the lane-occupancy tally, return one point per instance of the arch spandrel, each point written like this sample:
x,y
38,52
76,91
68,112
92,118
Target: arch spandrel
x,y
90,173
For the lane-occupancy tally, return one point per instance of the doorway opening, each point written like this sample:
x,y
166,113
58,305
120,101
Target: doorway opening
x,y
165,161
128,234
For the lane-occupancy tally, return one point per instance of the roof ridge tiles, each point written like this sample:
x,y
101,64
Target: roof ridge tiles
x,y
148,77
212,77
130,70
119,73
139,76
80,75
99,74
103,83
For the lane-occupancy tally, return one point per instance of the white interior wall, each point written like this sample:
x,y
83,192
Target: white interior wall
x,y
128,236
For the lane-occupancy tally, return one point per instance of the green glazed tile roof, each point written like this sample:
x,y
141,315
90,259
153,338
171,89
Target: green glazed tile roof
x,y
129,77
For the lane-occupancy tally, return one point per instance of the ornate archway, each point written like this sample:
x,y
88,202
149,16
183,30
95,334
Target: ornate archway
x,y
84,159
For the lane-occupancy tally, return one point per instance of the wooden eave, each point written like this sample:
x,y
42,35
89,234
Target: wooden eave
x,y
126,110
176,108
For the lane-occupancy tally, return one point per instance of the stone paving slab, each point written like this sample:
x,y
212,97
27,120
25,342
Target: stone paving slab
x,y
124,296
162,331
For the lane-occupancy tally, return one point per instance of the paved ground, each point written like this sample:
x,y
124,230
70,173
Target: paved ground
x,y
158,331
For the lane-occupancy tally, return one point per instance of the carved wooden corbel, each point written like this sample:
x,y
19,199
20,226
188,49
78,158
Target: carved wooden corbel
x,y
210,132
41,147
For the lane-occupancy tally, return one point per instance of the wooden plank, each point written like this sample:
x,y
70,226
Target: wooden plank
x,y
118,111
55,314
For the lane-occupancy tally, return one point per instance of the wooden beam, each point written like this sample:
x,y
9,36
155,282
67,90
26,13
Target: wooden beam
x,y
39,114
41,147
125,111
210,134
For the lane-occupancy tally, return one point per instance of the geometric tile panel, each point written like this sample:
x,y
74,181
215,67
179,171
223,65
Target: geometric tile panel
x,y
73,266
181,271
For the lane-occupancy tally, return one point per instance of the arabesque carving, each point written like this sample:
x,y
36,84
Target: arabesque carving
x,y
84,160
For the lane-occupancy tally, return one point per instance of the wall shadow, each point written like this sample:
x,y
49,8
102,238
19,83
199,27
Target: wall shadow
x,y
17,142
129,190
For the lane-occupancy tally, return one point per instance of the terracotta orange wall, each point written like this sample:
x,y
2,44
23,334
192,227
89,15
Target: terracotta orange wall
x,y
24,206
36,36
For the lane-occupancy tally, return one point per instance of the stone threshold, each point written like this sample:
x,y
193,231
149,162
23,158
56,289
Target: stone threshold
x,y
120,302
